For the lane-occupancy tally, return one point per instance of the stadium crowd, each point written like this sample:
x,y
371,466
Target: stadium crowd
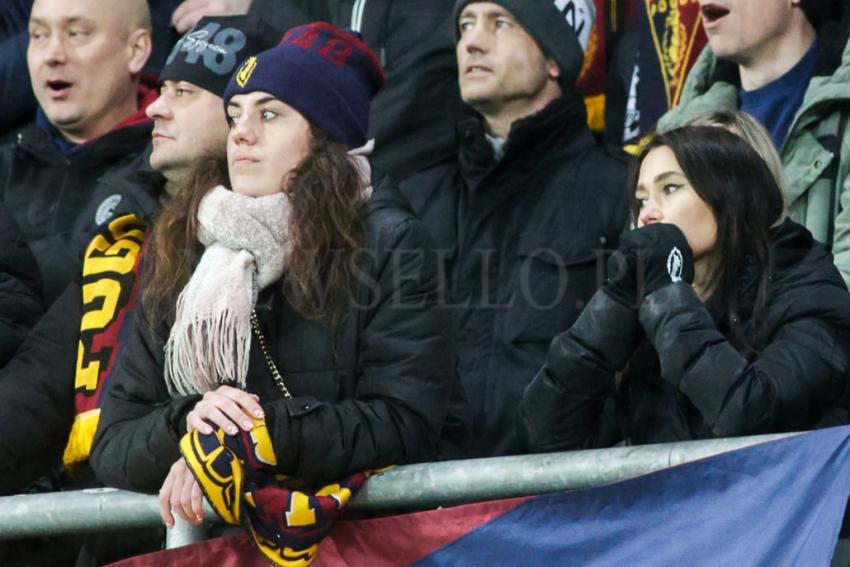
x,y
326,237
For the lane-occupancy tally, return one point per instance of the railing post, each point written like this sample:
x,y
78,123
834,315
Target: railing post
x,y
184,533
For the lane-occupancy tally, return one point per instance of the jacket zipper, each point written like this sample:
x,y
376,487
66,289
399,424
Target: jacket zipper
x,y
357,15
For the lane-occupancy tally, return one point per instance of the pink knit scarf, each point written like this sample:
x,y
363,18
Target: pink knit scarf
x,y
246,251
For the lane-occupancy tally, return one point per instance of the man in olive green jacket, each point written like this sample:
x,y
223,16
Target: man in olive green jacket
x,y
814,143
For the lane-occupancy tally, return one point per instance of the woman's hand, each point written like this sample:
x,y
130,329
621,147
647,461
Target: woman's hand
x,y
182,494
226,407
647,259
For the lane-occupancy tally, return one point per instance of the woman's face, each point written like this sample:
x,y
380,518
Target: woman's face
x,y
267,141
666,195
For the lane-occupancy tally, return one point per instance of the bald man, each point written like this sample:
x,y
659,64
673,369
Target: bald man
x,y
85,60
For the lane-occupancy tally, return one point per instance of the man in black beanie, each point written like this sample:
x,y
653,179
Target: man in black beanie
x,y
523,211
52,385
787,63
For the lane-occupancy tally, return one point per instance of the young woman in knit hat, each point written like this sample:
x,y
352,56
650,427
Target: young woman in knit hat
x,y
282,287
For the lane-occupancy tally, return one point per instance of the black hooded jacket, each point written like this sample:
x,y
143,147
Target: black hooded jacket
x,y
697,376
521,239
372,393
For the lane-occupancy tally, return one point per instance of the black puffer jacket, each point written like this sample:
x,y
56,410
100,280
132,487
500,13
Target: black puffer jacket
x,y
58,201
413,115
521,239
372,394
20,288
692,377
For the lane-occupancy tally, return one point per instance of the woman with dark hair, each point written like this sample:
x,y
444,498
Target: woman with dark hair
x,y
280,288
719,318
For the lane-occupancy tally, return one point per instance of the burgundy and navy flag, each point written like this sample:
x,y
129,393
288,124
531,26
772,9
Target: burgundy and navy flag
x,y
777,503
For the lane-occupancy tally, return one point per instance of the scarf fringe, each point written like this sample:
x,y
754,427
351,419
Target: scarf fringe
x,y
211,336
208,352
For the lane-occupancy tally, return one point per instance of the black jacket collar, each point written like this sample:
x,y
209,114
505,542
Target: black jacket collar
x,y
531,139
115,144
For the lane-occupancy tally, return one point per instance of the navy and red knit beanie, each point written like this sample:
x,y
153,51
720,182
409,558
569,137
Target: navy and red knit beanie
x,y
327,74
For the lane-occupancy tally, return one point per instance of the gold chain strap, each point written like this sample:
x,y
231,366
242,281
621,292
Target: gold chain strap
x,y
278,379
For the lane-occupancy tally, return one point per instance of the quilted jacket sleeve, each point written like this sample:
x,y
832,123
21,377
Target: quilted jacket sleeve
x,y
569,404
794,378
140,425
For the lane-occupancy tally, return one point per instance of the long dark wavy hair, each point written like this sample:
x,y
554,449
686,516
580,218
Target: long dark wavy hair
x,y
739,188
325,231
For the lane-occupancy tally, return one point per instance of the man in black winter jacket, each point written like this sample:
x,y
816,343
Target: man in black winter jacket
x,y
412,116
85,61
524,213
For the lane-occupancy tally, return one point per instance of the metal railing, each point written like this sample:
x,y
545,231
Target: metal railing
x,y
410,487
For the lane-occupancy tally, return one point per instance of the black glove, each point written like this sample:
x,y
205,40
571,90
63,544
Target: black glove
x,y
648,258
